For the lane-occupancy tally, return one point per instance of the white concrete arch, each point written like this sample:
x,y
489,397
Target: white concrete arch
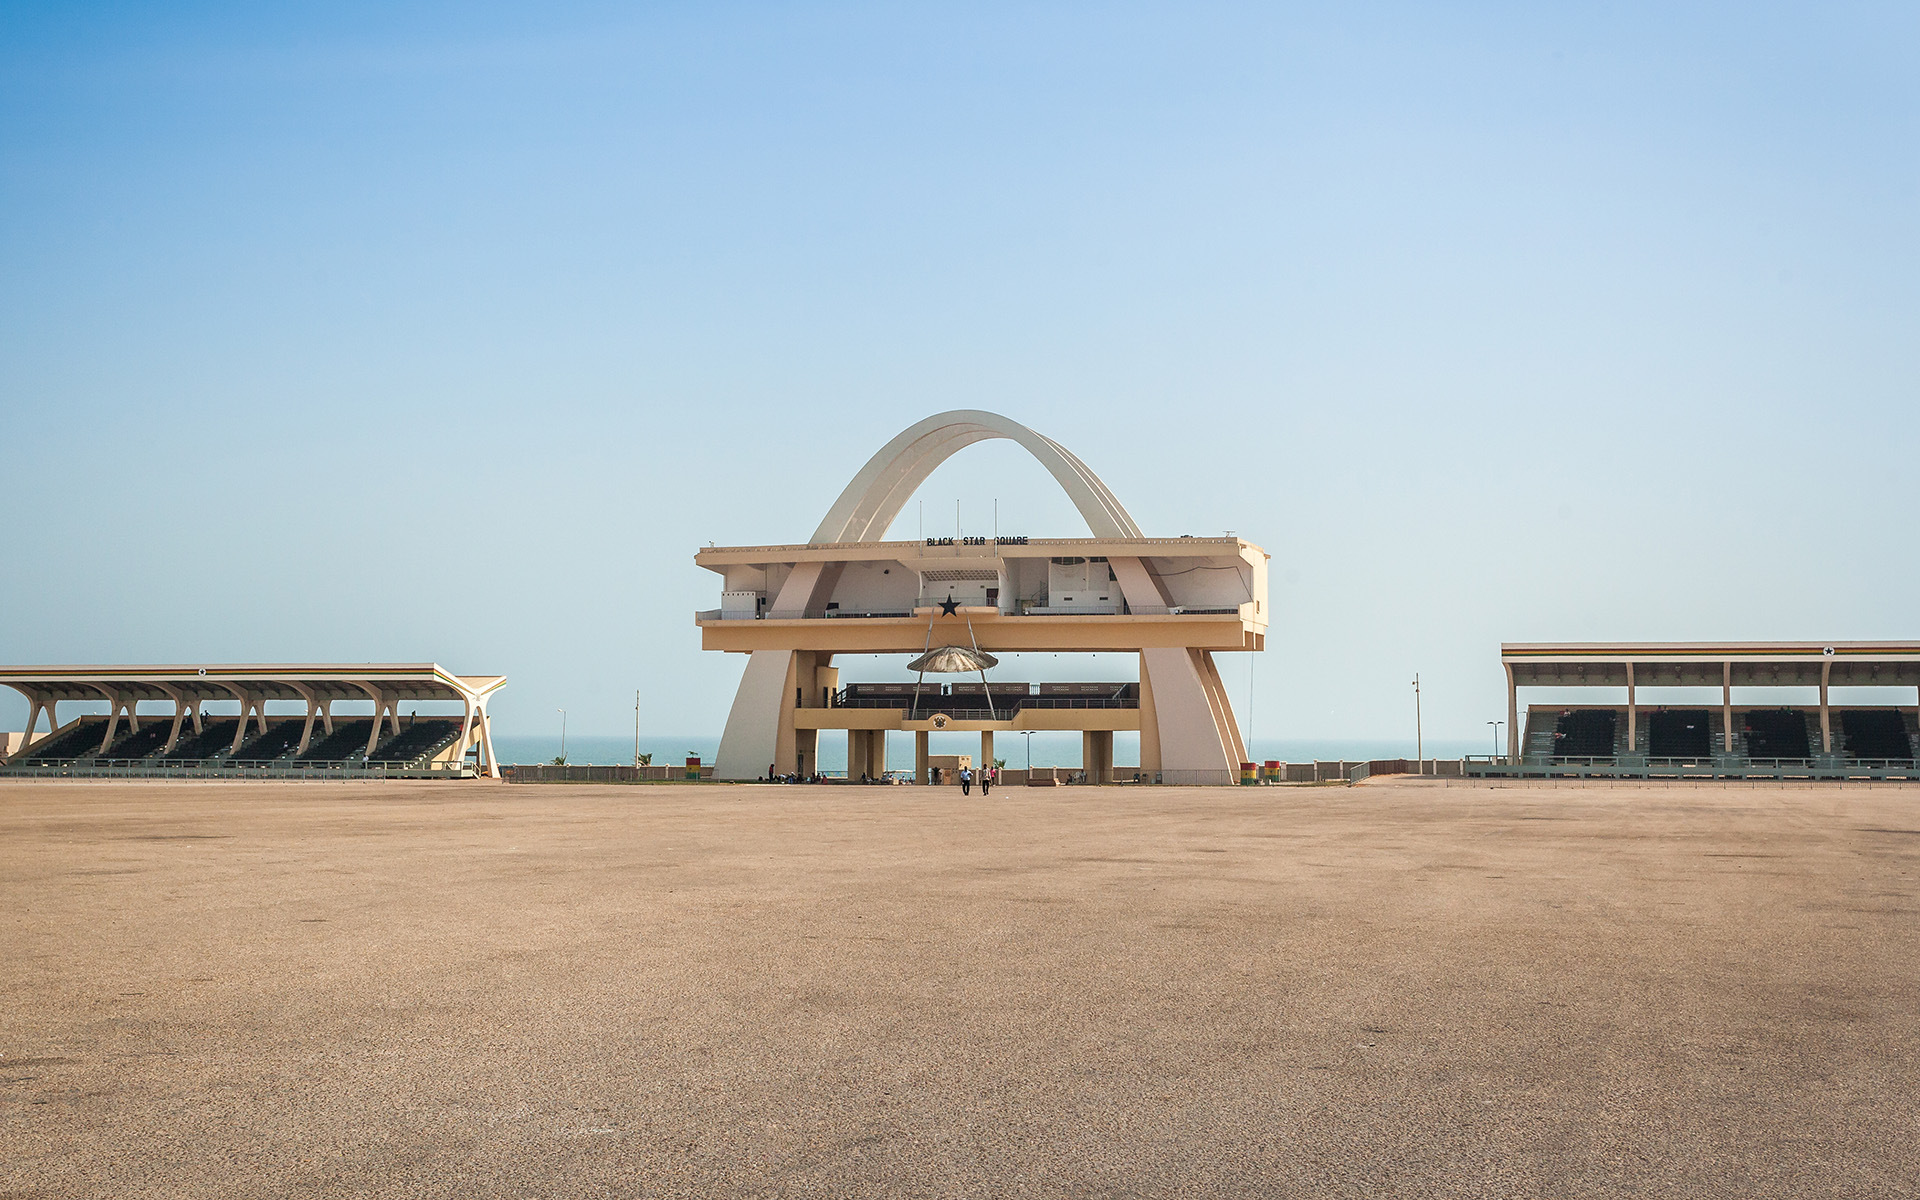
x,y
1187,725
882,488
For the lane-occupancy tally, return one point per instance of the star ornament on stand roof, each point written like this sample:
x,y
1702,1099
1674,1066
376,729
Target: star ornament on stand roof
x,y
950,606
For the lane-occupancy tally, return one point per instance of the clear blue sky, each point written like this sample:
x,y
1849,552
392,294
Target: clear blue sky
x,y
395,332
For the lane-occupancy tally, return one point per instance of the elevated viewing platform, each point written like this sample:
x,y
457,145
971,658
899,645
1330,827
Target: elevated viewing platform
x,y
1172,601
1033,594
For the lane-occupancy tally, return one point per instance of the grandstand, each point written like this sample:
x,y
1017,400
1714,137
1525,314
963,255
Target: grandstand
x,y
1772,740
185,740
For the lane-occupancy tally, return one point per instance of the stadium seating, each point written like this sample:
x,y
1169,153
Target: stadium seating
x,y
81,741
1875,733
347,741
1777,733
279,740
152,736
418,740
213,740
1586,733
1679,733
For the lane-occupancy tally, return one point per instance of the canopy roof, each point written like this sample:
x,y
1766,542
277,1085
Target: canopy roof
x,y
948,660
1713,664
258,681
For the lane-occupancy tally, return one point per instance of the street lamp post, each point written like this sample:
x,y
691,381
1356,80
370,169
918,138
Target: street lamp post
x,y
1419,743
1496,736
1028,734
563,733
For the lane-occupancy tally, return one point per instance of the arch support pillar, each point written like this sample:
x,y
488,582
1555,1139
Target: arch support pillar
x,y
1187,728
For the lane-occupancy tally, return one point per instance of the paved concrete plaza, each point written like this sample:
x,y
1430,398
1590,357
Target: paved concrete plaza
x,y
1405,988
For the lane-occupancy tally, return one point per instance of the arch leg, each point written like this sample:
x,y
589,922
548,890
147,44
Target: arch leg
x,y
751,741
1187,734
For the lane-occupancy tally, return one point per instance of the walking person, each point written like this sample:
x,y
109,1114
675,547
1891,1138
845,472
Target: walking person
x,y
966,781
986,781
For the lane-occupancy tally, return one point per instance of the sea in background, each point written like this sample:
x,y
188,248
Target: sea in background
x,y
1049,749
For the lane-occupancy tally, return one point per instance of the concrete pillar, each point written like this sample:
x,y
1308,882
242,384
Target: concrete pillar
x,y
1513,715
1149,725
373,734
858,744
1826,719
986,751
306,731
179,716
876,752
1633,739
920,756
113,724
1096,755
1726,706
486,744
35,706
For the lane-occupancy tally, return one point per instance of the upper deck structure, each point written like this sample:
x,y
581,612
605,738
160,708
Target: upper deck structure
x,y
1173,602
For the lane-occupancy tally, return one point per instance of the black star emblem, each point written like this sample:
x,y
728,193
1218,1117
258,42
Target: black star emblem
x,y
950,607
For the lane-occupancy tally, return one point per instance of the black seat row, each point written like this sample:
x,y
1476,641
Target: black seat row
x,y
82,741
1776,733
1585,733
151,737
347,739
214,739
1876,733
421,738
279,740
418,740
1679,733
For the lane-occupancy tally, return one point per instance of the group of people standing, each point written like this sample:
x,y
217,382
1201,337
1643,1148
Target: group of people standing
x,y
986,776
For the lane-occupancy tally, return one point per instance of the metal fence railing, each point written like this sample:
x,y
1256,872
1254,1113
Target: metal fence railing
x,y
1641,766
231,769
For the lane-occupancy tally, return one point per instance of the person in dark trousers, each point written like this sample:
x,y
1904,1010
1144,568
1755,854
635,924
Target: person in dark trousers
x,y
986,781
966,781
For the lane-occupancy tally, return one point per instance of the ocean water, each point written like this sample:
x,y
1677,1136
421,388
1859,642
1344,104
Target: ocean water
x,y
1048,749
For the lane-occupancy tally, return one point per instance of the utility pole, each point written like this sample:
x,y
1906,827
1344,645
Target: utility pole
x,y
563,734
1419,744
636,729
